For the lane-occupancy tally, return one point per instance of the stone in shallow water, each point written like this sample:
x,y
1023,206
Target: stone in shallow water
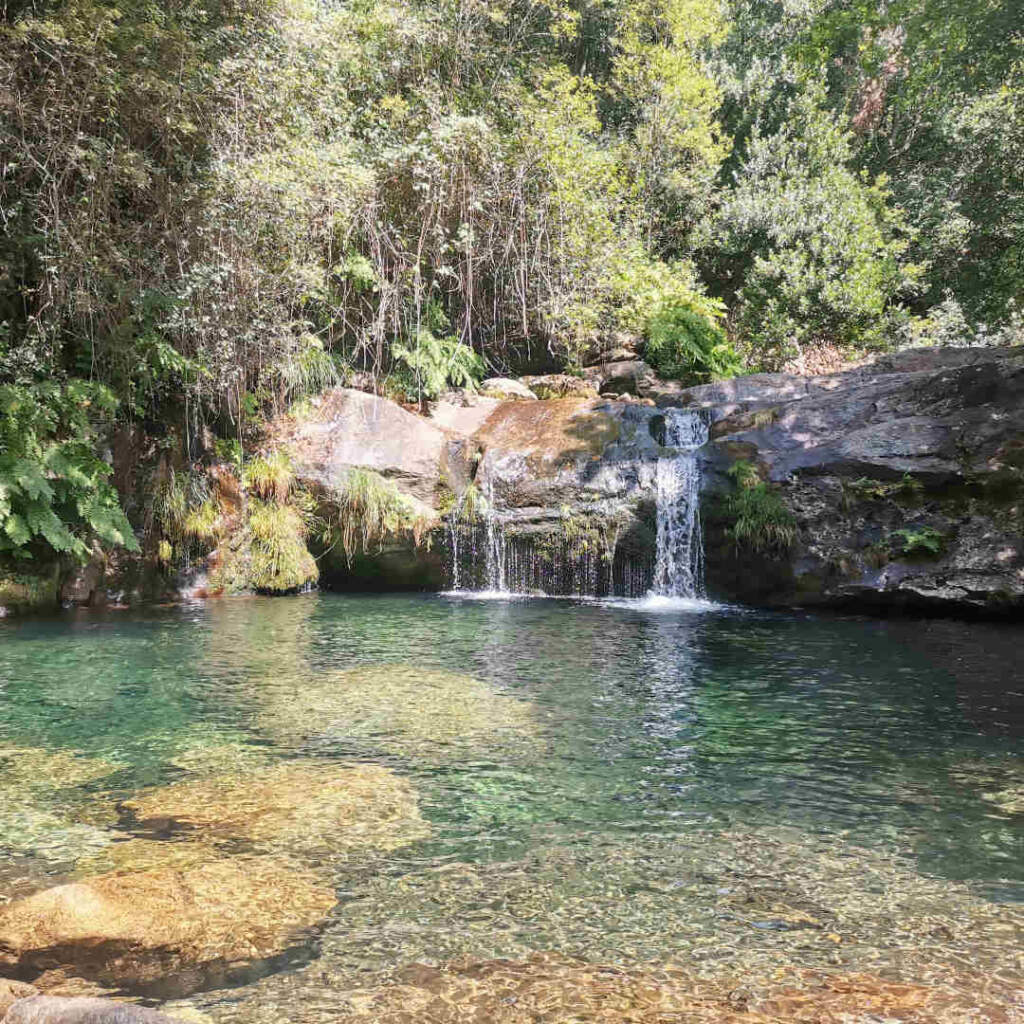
x,y
53,1010
11,992
131,929
300,807
425,714
547,988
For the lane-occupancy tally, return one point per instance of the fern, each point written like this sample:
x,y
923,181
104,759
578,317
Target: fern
x,y
55,498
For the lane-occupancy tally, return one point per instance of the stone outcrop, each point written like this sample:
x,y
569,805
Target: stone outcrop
x,y
13,991
507,390
135,929
350,429
905,478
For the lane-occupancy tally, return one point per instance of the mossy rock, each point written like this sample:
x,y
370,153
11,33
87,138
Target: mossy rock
x,y
21,593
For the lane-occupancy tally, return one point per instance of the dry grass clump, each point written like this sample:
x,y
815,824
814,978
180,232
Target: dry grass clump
x,y
279,558
425,714
271,478
370,511
299,807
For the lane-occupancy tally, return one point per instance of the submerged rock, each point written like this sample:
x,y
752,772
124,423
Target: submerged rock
x,y
299,807
55,1010
426,714
133,929
43,811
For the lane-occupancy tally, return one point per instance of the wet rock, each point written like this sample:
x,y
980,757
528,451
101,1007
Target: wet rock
x,y
507,390
21,592
630,376
132,929
55,1010
11,992
298,807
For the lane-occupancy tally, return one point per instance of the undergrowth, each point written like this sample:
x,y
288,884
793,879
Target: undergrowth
x,y
759,520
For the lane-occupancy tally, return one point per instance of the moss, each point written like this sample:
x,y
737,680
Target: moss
x,y
907,490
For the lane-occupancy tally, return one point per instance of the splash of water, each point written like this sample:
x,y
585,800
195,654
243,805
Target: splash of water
x,y
679,567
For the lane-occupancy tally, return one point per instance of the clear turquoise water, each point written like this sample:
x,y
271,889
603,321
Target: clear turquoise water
x,y
901,737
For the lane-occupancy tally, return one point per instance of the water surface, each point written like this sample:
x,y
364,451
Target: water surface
x,y
616,777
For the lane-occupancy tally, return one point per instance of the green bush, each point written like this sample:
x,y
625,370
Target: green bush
x,y
923,542
683,344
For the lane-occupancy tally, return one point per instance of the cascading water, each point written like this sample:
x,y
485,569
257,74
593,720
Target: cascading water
x,y
496,551
679,568
497,548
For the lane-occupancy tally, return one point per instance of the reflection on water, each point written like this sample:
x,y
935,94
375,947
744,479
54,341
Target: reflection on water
x,y
622,781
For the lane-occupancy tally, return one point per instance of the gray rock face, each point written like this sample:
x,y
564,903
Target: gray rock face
x,y
906,478
53,1010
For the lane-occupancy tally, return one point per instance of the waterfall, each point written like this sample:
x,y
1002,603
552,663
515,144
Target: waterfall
x,y
497,548
679,568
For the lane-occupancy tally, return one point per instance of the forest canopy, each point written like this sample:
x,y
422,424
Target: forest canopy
x,y
213,209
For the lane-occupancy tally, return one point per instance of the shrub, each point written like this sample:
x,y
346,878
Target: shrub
x,y
683,344
760,521
923,542
54,492
437,359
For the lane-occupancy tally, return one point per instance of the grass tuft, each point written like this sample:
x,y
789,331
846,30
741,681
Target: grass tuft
x,y
271,478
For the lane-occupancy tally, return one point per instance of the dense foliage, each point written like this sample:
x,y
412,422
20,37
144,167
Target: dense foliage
x,y
214,209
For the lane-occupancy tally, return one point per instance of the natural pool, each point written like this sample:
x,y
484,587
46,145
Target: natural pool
x,y
738,792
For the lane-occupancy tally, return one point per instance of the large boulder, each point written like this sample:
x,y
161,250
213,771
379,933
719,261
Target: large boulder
x,y
13,991
353,430
905,478
133,929
507,390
